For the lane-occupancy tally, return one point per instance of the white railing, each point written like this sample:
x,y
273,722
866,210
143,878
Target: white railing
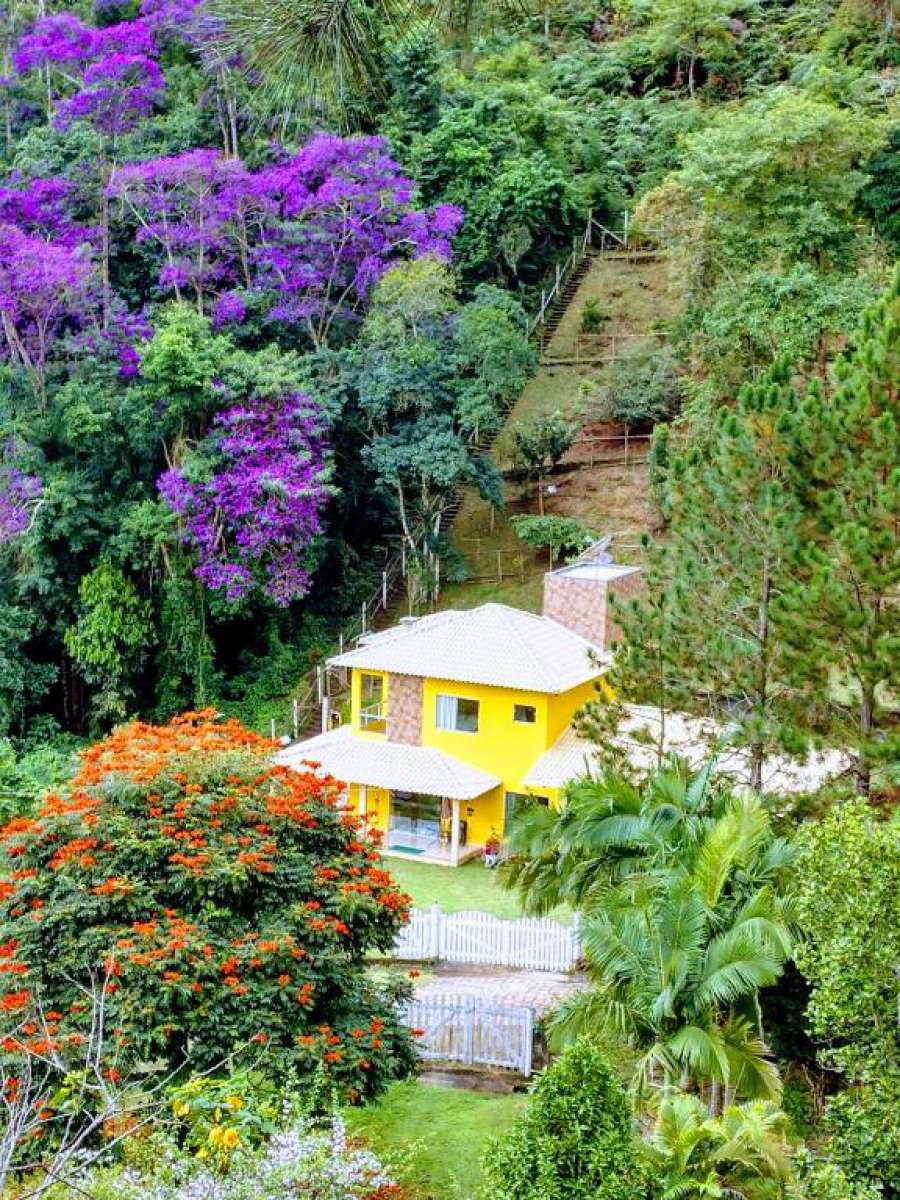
x,y
562,272
371,714
531,943
466,1029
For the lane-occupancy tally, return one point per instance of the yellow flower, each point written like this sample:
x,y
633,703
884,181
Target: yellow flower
x,y
180,1108
235,1103
230,1138
215,1134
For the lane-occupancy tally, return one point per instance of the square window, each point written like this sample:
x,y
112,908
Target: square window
x,y
457,713
526,714
467,716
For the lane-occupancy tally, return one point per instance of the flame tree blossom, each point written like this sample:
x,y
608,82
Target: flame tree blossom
x,y
228,901
259,509
314,233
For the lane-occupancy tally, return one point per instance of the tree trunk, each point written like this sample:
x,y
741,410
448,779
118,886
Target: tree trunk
x,y
863,771
758,749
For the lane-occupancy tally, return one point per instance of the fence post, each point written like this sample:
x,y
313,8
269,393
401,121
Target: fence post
x,y
364,615
273,729
626,445
556,289
499,566
435,932
626,228
528,1039
469,1050
384,589
295,717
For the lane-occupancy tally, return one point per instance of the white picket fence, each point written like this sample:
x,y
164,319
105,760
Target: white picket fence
x,y
533,943
466,1029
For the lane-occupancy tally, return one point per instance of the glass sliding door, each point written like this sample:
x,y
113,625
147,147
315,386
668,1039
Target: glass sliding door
x,y
415,822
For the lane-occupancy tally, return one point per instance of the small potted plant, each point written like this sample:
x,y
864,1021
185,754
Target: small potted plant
x,y
492,849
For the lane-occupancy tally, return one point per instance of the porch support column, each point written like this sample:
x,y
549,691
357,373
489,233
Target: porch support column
x,y
363,797
454,834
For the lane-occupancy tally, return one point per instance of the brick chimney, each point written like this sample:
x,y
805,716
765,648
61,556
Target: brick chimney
x,y
577,595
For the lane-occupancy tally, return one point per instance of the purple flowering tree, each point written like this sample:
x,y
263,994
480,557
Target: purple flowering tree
x,y
312,234
343,215
46,288
186,206
117,92
20,496
252,517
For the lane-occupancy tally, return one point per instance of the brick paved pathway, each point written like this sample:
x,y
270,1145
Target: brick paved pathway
x,y
542,990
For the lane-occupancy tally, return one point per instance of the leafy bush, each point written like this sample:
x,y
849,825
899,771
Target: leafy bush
x,y
864,1128
540,444
593,318
558,533
574,1141
221,899
644,390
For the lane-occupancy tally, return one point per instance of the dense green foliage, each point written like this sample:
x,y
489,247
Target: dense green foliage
x,y
574,1142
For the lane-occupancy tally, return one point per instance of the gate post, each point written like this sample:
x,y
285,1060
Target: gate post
x,y
528,1035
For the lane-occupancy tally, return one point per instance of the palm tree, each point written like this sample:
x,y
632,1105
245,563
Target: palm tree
x,y
744,1153
311,54
331,55
682,889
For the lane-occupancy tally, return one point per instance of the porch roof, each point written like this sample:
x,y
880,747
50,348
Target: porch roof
x,y
694,739
391,765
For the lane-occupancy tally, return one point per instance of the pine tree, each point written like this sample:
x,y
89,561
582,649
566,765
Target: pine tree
x,y
706,635
843,615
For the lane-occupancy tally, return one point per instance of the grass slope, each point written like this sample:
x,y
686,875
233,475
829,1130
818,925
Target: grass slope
x,y
434,1137
638,298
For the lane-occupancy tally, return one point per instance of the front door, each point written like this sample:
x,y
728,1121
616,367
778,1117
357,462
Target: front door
x,y
415,822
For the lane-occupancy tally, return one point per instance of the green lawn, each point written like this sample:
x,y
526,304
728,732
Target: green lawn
x,y
469,886
434,1136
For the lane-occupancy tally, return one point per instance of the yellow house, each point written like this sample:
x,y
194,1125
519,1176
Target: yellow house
x,y
451,713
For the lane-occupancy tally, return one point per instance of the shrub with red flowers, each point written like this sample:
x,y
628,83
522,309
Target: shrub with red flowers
x,y
218,899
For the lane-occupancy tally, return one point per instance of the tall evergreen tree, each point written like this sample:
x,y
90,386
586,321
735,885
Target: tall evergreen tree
x,y
706,635
843,613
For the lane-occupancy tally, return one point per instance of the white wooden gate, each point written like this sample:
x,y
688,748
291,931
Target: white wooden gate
x,y
469,1030
532,943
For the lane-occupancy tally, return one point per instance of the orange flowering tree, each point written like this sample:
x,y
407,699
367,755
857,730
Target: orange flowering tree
x,y
218,899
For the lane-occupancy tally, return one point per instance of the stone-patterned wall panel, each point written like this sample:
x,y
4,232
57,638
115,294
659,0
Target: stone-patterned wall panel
x,y
404,709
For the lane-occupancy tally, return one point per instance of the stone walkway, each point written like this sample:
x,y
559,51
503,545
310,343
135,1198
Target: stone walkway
x,y
541,990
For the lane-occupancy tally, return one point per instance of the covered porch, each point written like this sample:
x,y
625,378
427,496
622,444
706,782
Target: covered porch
x,y
420,798
425,828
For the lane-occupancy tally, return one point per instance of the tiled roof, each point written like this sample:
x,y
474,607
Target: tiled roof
x,y
492,644
691,737
392,765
